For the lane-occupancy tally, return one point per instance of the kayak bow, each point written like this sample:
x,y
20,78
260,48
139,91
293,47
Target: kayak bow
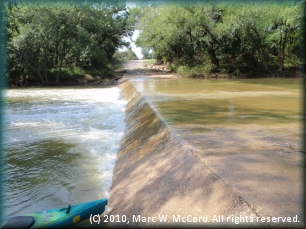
x,y
57,217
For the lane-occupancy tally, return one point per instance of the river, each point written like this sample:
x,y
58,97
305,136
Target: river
x,y
61,145
249,132
237,144
210,147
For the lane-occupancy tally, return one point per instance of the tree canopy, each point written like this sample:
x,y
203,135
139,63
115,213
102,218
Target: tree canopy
x,y
223,37
44,38
126,55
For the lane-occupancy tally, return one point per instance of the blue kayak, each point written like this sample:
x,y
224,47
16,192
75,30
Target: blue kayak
x,y
57,217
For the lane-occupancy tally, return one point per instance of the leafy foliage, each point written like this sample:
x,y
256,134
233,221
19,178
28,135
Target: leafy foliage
x,y
48,38
126,55
147,53
228,38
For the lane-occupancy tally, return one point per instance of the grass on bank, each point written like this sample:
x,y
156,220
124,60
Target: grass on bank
x,y
149,61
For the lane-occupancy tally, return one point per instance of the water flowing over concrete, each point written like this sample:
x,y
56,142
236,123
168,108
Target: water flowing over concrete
x,y
156,174
160,180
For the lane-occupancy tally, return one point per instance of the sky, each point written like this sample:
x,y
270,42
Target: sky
x,y
135,49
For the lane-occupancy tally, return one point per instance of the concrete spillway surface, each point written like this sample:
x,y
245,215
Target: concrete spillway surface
x,y
180,174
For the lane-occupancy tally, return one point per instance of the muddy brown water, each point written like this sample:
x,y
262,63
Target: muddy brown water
x,y
199,153
248,132
245,133
60,146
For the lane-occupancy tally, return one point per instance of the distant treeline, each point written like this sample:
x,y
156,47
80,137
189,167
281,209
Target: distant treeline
x,y
223,38
125,55
44,40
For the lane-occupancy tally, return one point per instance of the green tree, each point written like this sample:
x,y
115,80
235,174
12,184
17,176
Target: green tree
x,y
146,53
126,55
52,37
284,31
240,37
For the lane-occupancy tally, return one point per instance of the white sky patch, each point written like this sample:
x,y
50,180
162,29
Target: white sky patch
x,y
130,4
134,48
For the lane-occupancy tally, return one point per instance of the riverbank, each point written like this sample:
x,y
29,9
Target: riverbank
x,y
157,174
151,66
107,75
86,80
199,72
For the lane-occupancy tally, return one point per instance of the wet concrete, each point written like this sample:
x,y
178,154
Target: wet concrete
x,y
231,172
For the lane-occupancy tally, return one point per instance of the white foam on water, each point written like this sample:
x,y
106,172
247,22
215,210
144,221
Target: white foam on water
x,y
90,119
